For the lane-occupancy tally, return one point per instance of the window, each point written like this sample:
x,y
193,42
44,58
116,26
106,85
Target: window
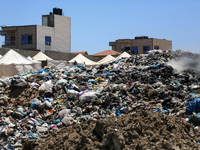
x,y
12,40
26,39
47,40
156,47
126,48
146,49
135,50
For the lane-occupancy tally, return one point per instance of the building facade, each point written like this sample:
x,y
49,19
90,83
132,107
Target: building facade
x,y
140,45
54,34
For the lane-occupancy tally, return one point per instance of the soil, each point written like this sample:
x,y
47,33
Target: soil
x,y
21,96
140,130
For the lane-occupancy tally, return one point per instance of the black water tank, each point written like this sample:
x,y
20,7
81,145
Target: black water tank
x,y
141,37
57,11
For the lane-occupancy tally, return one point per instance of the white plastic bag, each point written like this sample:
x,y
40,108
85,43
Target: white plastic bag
x,y
46,86
64,112
5,81
41,129
87,97
72,93
67,120
45,104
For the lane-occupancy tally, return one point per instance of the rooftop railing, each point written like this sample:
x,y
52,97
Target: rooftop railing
x,y
8,43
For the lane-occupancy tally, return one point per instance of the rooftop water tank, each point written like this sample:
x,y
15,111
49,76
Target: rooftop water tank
x,y
57,11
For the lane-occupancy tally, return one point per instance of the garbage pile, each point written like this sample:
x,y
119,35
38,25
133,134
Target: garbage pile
x,y
37,105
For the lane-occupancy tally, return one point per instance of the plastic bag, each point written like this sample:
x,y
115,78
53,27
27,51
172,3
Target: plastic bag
x,y
193,106
46,86
195,117
81,93
64,112
18,82
67,120
72,93
34,85
34,105
87,97
41,129
21,110
46,104
5,81
62,81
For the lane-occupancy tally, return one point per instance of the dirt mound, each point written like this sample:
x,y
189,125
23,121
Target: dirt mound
x,y
20,96
141,130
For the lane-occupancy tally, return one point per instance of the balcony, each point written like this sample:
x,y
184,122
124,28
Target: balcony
x,y
112,43
8,43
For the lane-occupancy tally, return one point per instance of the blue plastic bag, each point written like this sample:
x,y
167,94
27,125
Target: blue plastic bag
x,y
34,105
195,117
193,106
118,113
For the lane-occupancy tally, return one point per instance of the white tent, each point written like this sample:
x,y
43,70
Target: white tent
x,y
123,55
80,59
36,64
13,63
106,59
41,57
29,58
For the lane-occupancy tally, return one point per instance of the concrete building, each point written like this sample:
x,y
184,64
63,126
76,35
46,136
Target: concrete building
x,y
140,45
54,34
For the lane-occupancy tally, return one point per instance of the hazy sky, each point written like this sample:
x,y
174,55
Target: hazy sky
x,y
95,23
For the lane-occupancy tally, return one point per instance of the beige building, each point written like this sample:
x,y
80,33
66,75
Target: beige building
x,y
54,34
140,45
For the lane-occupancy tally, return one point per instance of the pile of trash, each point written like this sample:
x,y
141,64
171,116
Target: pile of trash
x,y
37,105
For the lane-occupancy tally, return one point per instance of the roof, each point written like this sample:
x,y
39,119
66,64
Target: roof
x,y
107,52
81,52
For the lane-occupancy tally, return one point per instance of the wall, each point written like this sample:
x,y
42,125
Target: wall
x,y
7,36
26,30
60,35
56,55
163,44
122,43
62,27
142,42
18,32
132,43
43,31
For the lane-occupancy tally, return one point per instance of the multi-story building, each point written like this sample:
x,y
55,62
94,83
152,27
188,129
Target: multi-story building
x,y
140,45
54,34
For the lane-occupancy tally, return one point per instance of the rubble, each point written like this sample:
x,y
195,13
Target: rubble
x,y
43,104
